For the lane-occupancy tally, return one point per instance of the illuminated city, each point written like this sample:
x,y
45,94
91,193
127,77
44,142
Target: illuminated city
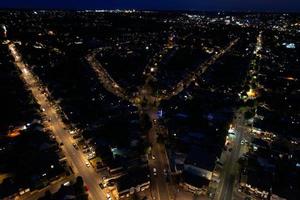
x,y
142,101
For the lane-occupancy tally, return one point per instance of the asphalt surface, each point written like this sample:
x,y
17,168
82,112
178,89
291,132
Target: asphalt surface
x,y
159,185
75,158
159,182
228,173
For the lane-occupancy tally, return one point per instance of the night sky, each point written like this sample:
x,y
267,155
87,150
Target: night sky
x,y
258,5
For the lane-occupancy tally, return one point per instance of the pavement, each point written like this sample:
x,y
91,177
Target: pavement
x,y
75,158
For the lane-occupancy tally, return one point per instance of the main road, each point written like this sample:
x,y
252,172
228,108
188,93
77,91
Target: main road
x,y
162,189
229,170
75,158
159,184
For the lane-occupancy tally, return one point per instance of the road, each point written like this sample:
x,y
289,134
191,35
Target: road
x,y
75,158
164,54
159,183
191,77
107,81
258,45
229,171
162,189
145,95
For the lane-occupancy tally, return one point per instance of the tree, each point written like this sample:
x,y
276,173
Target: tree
x,y
249,114
79,189
79,181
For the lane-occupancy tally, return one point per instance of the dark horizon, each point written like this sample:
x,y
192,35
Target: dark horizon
x,y
168,5
150,10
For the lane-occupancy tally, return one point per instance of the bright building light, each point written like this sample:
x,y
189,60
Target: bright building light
x,y
251,93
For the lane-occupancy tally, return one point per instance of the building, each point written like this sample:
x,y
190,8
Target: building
x,y
194,183
201,162
136,180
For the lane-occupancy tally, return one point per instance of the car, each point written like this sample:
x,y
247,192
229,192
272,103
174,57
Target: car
x,y
153,157
75,146
165,172
220,163
87,164
101,186
76,136
110,183
154,171
85,150
244,142
108,197
67,183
